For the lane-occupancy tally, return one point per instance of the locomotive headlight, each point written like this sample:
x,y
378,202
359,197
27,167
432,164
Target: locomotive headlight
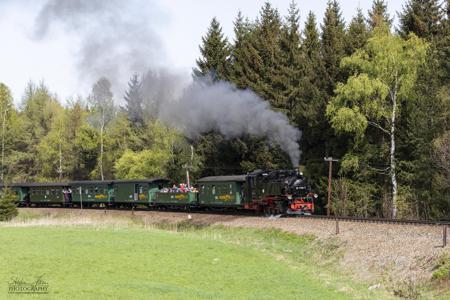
x,y
289,197
315,195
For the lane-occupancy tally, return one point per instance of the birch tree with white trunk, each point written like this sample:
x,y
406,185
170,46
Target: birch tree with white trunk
x,y
383,74
102,104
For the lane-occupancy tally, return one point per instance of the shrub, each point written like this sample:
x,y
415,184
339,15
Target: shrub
x,y
442,269
8,209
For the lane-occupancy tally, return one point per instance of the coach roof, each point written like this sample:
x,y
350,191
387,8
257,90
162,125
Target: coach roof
x,y
238,178
39,184
151,180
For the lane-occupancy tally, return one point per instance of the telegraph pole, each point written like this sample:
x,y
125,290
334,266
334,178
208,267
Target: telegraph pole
x,y
330,161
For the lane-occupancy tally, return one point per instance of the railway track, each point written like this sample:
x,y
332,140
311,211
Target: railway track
x,y
243,213
377,220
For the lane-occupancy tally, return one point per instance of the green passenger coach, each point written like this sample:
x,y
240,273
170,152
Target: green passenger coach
x,y
91,192
131,192
221,191
48,193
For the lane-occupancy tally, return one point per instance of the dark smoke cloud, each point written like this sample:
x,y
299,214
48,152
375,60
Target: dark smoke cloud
x,y
221,107
113,38
161,86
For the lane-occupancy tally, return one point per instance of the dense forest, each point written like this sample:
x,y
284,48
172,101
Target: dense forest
x,y
373,95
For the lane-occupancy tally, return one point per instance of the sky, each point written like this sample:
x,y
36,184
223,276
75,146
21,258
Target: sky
x,y
53,47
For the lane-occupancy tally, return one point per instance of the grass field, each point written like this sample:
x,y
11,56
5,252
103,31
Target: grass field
x,y
131,262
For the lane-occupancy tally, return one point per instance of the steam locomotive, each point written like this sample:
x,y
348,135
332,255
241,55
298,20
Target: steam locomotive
x,y
272,192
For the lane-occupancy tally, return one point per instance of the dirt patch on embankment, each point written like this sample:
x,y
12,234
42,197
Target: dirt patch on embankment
x,y
375,253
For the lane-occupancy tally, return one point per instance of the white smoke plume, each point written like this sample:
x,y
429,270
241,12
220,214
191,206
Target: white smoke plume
x,y
204,107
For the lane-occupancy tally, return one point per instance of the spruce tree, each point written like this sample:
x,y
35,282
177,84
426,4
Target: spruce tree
x,y
357,33
243,54
133,101
333,43
290,72
422,17
266,42
311,112
311,45
425,119
8,209
214,54
378,13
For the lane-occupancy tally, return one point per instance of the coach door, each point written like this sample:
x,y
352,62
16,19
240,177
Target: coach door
x,y
136,192
139,192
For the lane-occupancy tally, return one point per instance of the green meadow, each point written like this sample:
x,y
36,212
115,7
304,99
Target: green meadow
x,y
186,262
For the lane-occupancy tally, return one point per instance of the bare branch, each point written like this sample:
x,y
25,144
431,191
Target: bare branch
x,y
379,127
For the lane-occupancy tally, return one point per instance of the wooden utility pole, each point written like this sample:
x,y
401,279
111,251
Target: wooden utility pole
x,y
330,161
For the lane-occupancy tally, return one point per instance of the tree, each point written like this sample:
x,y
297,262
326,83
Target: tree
x,y
357,33
166,150
311,42
441,179
86,144
422,17
140,165
214,54
75,119
8,209
6,108
241,55
134,101
53,147
311,118
101,100
378,14
333,43
256,54
39,111
383,75
290,71
441,157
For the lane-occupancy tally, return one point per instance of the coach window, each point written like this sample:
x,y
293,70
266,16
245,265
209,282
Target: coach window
x,y
231,189
86,191
213,190
96,189
47,192
141,189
